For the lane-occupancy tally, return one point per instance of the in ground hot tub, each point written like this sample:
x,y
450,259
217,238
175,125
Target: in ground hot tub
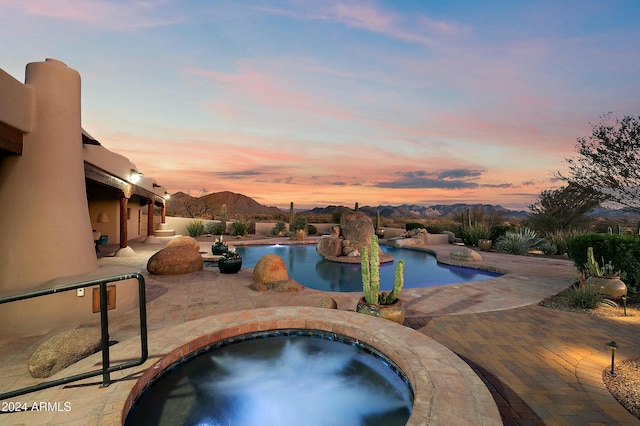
x,y
285,377
445,390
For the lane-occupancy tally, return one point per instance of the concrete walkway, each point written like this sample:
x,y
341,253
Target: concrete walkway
x,y
543,366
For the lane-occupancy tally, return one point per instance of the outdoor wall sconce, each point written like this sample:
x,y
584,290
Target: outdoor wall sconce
x,y
613,347
103,217
135,176
167,195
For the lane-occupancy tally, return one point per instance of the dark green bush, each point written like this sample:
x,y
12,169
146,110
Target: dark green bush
x,y
239,228
312,230
299,223
279,229
414,225
195,228
497,231
621,250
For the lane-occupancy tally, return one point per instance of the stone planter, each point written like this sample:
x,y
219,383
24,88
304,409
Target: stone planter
x,y
220,249
394,312
611,286
229,266
484,245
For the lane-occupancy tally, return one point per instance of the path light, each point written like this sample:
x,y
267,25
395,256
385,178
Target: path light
x,y
612,344
624,304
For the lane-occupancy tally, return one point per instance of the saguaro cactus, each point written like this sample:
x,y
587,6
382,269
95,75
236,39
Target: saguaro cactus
x,y
291,215
223,218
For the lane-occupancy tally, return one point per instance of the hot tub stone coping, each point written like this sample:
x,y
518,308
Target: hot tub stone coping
x,y
446,390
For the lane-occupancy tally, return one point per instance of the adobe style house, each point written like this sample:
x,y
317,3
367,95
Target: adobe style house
x,y
59,190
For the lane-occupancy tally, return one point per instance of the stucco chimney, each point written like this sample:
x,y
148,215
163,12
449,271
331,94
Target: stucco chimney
x,y
45,229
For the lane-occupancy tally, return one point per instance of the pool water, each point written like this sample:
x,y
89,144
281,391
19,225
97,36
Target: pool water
x,y
312,379
308,268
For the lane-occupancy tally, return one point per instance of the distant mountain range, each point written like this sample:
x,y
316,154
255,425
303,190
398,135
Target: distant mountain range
x,y
237,204
417,211
180,204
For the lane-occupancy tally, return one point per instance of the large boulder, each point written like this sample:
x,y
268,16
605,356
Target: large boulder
x,y
464,254
329,246
417,237
184,241
175,261
357,228
64,349
270,269
270,273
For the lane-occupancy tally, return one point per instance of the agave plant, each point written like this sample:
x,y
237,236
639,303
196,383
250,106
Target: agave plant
x,y
519,242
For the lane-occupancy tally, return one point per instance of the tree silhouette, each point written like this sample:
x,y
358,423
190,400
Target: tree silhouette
x,y
607,162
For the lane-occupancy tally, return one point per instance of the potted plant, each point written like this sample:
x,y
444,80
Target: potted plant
x,y
484,244
604,278
230,262
219,247
374,302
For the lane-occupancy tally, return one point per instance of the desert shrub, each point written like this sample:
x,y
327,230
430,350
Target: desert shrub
x,y
239,228
280,227
195,228
498,231
547,247
216,228
413,225
312,230
621,250
561,239
299,223
471,234
211,228
584,296
518,242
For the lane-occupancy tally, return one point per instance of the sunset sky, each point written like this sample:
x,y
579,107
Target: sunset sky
x,y
332,102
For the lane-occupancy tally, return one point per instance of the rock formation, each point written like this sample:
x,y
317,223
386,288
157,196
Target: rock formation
x,y
64,349
181,256
270,273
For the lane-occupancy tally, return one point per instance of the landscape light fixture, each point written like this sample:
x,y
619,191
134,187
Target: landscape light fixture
x,y
624,304
135,176
612,344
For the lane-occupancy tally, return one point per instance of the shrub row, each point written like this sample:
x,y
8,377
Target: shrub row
x,y
621,250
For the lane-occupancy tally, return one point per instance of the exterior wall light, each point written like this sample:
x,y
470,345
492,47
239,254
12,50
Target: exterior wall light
x,y
167,195
103,217
613,347
135,176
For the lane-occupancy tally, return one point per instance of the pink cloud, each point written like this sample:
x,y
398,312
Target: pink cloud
x,y
100,13
363,15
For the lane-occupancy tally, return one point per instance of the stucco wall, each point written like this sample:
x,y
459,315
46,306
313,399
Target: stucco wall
x,y
17,104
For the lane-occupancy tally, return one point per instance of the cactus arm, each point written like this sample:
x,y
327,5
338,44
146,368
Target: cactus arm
x,y
398,282
366,276
375,268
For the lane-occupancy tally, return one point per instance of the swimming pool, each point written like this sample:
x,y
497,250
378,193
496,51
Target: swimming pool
x,y
308,268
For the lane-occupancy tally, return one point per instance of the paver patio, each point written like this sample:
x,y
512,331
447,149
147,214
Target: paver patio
x,y
544,366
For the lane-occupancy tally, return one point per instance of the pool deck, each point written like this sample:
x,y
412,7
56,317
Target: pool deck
x,y
543,366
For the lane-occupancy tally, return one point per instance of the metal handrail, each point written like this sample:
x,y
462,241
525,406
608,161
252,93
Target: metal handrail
x,y
106,369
